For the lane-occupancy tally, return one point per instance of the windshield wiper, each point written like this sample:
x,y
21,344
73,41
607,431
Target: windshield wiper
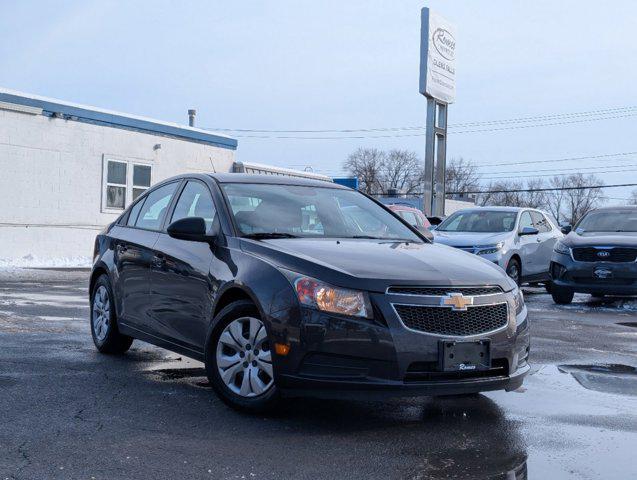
x,y
266,235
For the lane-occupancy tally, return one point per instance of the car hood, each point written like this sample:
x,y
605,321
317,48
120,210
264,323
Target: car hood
x,y
468,239
374,265
625,239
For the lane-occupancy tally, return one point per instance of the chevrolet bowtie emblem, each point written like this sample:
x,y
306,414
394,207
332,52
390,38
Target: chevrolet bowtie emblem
x,y
457,301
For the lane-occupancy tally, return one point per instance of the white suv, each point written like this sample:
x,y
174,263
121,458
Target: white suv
x,y
520,240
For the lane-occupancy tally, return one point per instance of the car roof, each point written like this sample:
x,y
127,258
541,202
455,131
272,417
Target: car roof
x,y
494,209
619,208
272,180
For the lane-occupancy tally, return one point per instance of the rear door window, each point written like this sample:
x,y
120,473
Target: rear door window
x,y
152,213
540,222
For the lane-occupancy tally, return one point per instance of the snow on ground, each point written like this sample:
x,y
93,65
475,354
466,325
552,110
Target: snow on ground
x,y
33,261
536,299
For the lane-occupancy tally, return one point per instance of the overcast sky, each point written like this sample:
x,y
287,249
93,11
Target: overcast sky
x,y
294,65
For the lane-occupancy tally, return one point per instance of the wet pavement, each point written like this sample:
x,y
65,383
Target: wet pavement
x,y
69,413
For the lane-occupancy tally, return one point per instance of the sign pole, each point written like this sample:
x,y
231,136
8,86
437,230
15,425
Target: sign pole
x,y
438,85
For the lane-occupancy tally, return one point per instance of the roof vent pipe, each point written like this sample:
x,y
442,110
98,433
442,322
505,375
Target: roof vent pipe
x,y
191,117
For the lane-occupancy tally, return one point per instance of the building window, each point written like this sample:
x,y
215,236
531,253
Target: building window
x,y
124,181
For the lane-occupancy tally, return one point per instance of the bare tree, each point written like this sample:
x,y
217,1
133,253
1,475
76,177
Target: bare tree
x,y
366,164
504,193
585,198
556,199
461,176
535,196
632,200
400,171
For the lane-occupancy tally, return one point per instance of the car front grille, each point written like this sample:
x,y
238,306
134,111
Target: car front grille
x,y
615,254
441,291
445,321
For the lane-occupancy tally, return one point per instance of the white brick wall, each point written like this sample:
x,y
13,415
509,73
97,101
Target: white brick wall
x,y
51,174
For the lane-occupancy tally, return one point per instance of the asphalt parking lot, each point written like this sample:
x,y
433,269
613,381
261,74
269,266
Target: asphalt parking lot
x,y
68,412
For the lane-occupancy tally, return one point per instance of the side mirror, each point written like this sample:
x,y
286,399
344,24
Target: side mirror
x,y
528,231
189,228
566,229
432,227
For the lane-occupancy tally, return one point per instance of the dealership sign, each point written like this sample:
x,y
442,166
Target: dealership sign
x,y
437,57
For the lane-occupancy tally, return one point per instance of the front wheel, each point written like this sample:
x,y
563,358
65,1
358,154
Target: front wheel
x,y
562,295
239,359
514,270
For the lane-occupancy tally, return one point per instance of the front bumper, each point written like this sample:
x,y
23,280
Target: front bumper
x,y
579,276
338,357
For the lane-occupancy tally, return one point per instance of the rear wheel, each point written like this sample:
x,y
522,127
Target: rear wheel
x,y
562,295
514,270
106,336
239,359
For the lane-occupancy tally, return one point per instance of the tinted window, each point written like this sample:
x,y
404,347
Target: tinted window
x,y
134,213
154,209
195,201
479,221
540,222
308,211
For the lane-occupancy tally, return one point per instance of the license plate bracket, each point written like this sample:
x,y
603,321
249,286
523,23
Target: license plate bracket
x,y
462,356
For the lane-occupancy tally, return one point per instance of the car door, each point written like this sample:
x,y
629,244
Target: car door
x,y
181,285
134,254
529,246
546,239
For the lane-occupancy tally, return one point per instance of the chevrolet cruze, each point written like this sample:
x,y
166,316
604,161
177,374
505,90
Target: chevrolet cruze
x,y
268,281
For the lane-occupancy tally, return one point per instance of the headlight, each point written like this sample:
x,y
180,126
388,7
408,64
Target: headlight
x,y
316,294
487,249
518,300
561,248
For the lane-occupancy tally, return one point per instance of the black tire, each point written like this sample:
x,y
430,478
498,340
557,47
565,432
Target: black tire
x,y
264,402
548,286
562,295
514,270
112,341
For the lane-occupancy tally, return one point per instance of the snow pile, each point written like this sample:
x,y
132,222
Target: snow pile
x,y
32,261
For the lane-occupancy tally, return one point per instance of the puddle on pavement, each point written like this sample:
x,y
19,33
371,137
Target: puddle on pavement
x,y
192,376
627,324
607,378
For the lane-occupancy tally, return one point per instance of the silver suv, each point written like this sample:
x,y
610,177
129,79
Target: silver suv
x,y
520,240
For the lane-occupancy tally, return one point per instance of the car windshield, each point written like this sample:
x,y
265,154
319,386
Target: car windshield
x,y
483,221
609,221
265,210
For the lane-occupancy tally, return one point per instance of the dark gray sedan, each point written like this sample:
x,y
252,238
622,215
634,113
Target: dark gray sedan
x,y
269,282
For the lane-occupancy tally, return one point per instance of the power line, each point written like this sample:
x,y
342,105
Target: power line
x,y
534,119
555,160
525,189
590,187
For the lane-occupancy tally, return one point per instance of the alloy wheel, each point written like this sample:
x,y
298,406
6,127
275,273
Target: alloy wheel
x,y
101,313
244,359
513,271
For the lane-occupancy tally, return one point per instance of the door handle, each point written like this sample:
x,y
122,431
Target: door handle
x,y
538,240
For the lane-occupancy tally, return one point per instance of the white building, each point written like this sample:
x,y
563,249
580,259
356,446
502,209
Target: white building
x,y
68,170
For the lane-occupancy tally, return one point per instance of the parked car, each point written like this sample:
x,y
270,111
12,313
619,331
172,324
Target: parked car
x,y
520,240
265,280
412,215
598,256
